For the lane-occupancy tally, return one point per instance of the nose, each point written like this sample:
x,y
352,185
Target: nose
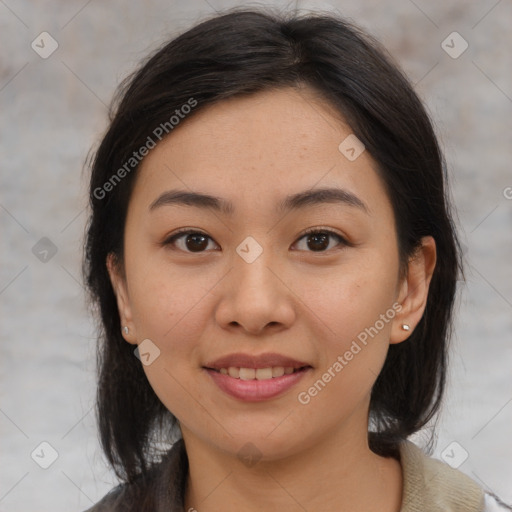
x,y
255,297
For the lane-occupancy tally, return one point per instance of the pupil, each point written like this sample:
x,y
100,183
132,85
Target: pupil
x,y
198,245
323,244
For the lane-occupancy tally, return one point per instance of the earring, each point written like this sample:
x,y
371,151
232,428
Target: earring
x,y
405,327
126,329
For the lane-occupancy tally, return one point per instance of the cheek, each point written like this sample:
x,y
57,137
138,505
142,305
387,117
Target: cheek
x,y
166,298
168,308
352,297
173,319
357,310
351,360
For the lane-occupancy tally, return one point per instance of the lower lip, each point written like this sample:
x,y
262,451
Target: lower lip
x,y
256,390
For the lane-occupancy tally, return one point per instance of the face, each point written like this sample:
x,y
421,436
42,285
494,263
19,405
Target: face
x,y
307,316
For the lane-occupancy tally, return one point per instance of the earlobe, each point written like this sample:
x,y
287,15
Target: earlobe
x,y
118,282
414,289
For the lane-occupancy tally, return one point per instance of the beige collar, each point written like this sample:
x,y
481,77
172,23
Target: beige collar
x,y
432,486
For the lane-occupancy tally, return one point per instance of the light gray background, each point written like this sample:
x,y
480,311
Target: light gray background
x,y
54,109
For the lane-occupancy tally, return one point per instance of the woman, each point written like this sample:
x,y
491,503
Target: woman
x,y
274,261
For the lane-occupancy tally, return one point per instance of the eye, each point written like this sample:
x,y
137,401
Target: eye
x,y
317,240
193,241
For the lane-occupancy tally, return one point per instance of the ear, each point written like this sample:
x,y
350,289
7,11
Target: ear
x,y
413,290
118,281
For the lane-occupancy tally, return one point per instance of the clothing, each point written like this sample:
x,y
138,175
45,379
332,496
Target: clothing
x,y
429,485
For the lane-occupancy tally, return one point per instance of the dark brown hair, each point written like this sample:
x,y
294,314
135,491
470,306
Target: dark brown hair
x,y
240,53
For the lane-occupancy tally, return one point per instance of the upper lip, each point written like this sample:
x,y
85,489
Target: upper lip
x,y
240,360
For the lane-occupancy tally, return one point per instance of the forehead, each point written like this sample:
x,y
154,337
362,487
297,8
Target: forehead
x,y
258,148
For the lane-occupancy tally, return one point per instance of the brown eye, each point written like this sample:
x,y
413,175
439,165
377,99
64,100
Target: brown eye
x,y
189,241
319,240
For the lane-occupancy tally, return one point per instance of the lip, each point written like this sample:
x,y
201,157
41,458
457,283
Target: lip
x,y
240,360
256,390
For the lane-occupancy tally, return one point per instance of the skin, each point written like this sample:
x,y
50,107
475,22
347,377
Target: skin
x,y
306,304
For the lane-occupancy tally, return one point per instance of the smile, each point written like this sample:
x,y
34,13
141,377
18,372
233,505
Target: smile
x,y
256,385
258,373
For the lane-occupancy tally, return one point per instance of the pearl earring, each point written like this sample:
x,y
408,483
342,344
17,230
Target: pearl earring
x,y
405,327
126,329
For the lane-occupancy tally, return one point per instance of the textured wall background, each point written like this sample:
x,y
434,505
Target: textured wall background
x,y
53,109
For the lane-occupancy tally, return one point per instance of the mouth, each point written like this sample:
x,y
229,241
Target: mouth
x,y
256,378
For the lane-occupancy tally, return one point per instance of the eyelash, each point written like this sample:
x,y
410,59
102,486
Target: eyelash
x,y
185,231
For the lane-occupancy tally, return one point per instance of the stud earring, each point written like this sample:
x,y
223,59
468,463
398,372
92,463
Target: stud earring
x,y
126,329
405,327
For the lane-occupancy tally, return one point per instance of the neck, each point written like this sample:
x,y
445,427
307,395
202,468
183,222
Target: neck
x,y
339,473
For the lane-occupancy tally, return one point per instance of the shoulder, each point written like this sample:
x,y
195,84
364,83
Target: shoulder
x,y
161,488
429,480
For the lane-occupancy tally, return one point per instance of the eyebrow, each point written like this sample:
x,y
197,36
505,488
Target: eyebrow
x,y
292,202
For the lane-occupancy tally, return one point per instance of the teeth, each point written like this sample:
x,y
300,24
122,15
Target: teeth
x,y
277,371
247,373
257,373
234,372
263,373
